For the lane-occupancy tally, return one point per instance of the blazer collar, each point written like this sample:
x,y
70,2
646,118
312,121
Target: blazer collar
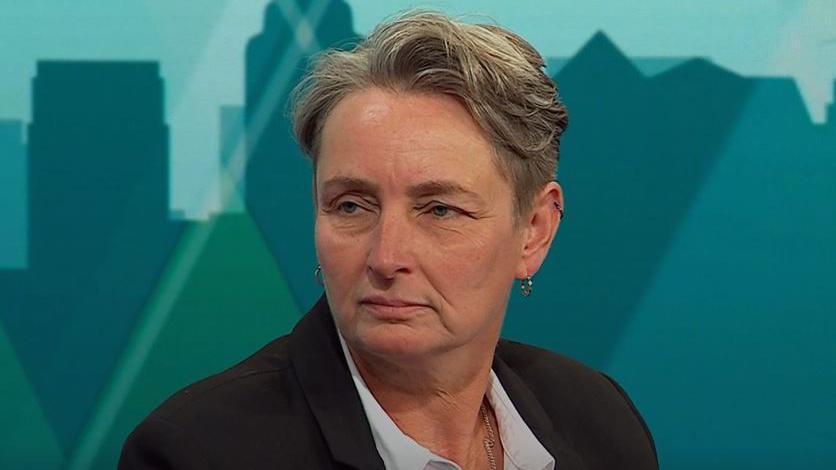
x,y
532,412
323,375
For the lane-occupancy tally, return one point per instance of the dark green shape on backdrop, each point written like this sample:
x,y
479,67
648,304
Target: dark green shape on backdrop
x,y
99,233
13,239
234,301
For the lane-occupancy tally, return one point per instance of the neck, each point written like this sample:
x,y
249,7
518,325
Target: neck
x,y
434,401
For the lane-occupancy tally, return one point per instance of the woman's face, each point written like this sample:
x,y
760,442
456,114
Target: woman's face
x,y
415,227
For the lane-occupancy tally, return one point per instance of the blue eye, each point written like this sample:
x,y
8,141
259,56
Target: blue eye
x,y
347,207
442,211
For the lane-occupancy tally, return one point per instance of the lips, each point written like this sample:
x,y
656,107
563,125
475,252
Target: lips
x,y
391,309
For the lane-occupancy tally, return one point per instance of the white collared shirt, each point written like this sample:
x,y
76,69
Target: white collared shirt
x,y
522,450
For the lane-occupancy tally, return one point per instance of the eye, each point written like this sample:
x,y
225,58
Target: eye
x,y
442,212
348,207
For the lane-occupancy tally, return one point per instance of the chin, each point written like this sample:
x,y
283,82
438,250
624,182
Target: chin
x,y
393,340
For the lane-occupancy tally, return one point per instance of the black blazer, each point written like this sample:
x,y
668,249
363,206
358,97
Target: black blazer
x,y
293,405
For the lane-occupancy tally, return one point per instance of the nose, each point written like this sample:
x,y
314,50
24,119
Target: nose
x,y
389,253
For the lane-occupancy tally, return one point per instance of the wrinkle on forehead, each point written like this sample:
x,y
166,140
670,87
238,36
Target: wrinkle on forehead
x,y
362,112
404,139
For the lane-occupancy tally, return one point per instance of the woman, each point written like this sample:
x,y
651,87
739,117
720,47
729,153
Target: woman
x,y
434,145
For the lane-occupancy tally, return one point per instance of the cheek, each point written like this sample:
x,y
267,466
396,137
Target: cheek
x,y
476,267
331,241
339,256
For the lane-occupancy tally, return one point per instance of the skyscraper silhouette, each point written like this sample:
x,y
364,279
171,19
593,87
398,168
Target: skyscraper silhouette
x,y
99,228
637,152
232,159
641,159
278,184
13,240
647,65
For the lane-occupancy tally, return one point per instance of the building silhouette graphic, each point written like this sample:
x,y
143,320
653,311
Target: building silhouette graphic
x,y
647,65
637,153
13,239
99,231
278,177
232,162
629,142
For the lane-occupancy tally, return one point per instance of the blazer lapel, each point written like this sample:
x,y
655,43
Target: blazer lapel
x,y
535,416
323,374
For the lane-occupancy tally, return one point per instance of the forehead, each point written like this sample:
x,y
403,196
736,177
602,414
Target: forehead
x,y
407,138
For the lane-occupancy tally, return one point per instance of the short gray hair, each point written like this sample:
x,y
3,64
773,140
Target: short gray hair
x,y
494,73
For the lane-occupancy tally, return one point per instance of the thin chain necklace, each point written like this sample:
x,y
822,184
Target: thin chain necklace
x,y
490,438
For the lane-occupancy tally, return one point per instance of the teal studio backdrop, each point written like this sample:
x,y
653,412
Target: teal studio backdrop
x,y
155,213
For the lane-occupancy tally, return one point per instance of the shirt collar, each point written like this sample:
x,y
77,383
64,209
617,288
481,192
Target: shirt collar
x,y
522,449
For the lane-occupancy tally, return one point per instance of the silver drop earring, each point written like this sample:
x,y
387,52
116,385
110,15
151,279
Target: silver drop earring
x,y
526,286
318,275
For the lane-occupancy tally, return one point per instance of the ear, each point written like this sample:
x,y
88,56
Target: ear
x,y
539,228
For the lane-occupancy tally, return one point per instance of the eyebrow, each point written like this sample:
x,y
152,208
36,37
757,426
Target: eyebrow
x,y
425,189
346,183
441,188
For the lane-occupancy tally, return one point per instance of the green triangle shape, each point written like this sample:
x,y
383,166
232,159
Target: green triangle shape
x,y
232,301
26,439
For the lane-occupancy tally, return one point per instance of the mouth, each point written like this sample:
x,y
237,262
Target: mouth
x,y
391,309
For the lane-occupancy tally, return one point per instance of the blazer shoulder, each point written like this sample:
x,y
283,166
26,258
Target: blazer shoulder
x,y
239,380
581,402
526,360
252,415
